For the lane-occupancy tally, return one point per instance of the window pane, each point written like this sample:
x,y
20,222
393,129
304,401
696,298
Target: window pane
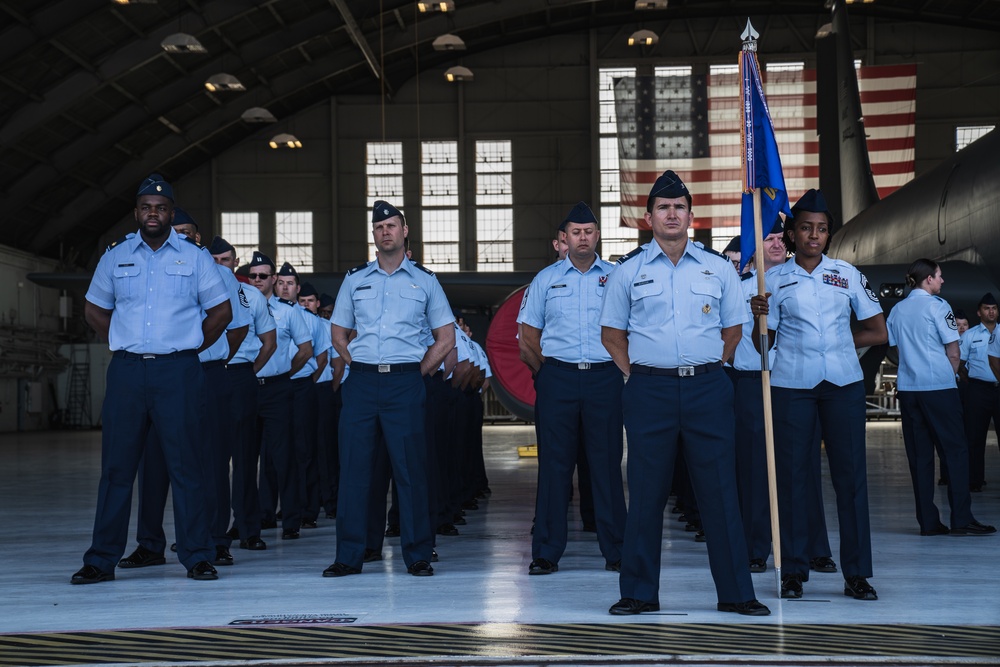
x,y
616,240
384,169
242,230
294,233
967,134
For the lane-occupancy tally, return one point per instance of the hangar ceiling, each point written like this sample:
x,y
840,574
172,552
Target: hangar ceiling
x,y
90,102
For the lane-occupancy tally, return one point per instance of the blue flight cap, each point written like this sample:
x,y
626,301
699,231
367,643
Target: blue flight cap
x,y
307,290
155,185
987,300
219,246
813,200
287,270
668,186
260,259
383,210
182,217
734,245
581,213
779,226
326,301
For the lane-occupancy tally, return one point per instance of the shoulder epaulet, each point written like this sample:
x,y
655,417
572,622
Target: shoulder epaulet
x,y
422,268
940,299
119,241
714,252
625,258
746,276
287,302
358,268
191,241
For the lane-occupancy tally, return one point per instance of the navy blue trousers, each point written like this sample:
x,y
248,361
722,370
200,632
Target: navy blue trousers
x,y
663,414
931,417
982,403
328,418
274,425
304,445
167,395
839,412
246,449
572,405
396,403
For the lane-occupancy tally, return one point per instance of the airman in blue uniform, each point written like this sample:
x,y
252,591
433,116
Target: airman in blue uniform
x,y
672,313
922,327
981,402
386,301
578,391
817,379
159,300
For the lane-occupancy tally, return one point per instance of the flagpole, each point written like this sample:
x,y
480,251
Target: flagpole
x,y
749,38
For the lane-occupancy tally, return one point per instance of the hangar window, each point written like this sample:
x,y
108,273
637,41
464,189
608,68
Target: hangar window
x,y
384,171
965,135
439,204
294,233
242,230
616,239
494,206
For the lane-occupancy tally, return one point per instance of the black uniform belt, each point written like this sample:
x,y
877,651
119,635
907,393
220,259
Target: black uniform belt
x,y
213,364
272,379
983,382
752,375
413,366
581,366
680,371
239,366
132,356
307,378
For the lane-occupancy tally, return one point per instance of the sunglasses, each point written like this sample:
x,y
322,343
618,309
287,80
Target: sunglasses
x,y
259,276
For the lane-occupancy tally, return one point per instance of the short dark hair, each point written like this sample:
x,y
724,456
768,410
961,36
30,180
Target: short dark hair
x,y
920,270
650,199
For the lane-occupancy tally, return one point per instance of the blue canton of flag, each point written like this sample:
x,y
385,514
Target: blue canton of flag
x,y
761,163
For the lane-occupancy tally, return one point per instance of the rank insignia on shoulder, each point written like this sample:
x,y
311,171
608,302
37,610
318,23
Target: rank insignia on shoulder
x,y
630,255
746,276
423,268
950,320
191,240
243,299
358,268
287,302
119,241
868,290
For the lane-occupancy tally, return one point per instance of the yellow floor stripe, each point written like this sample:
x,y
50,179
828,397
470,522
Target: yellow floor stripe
x,y
221,645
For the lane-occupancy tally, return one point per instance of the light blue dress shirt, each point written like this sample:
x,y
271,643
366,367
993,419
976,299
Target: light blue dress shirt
x,y
747,358
291,332
811,313
331,353
219,350
319,342
974,348
156,298
566,305
920,326
674,315
388,312
261,322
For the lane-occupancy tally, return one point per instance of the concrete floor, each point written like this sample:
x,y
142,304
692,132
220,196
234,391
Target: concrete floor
x,y
48,483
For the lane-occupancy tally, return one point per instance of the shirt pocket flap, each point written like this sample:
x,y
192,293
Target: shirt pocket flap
x,y
414,293
363,293
643,288
707,288
178,270
558,291
126,271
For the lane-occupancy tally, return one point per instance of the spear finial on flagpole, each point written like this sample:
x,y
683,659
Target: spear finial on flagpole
x,y
749,37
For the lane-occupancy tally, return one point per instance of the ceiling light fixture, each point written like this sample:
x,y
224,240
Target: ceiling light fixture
x,y
643,38
134,2
182,42
441,6
223,82
448,42
641,5
458,73
284,140
258,115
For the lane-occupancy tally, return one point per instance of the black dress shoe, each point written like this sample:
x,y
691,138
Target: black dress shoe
x,y
392,530
290,534
142,557
253,544
748,608
340,570
470,505
447,529
173,547
309,523
331,514
421,569
758,565
974,488
233,533
434,555
222,556
629,606
89,574
942,482
371,555
940,529
459,520
859,589
691,528
542,566
614,567
203,571
974,528
822,564
791,586
699,536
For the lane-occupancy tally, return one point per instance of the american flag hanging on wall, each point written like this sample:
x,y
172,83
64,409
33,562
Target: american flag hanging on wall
x,y
691,124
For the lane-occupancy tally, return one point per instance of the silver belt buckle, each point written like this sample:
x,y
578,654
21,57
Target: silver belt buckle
x,y
148,356
383,368
583,366
685,371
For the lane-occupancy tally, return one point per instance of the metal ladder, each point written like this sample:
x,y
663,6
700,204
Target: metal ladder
x,y
78,389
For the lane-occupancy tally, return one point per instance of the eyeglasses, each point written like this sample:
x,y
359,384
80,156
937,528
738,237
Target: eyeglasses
x,y
259,276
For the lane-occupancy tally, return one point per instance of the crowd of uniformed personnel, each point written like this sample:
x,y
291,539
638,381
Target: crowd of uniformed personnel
x,y
332,402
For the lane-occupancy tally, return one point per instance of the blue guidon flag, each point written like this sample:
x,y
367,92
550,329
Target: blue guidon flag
x,y
761,163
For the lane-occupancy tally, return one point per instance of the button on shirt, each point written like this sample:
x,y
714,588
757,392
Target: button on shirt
x,y
566,305
291,332
219,350
974,348
920,326
156,298
673,314
388,311
811,313
261,322
747,358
